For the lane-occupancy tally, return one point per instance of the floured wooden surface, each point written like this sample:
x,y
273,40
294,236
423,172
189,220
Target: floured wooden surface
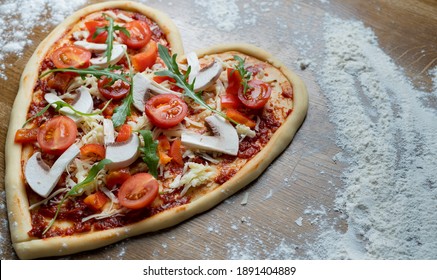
x,y
292,202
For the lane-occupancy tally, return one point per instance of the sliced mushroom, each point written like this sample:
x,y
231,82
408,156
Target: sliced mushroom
x,y
118,52
40,177
225,139
83,103
203,77
91,46
108,132
141,88
123,154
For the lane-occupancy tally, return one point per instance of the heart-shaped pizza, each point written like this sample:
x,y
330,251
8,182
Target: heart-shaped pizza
x,y
116,132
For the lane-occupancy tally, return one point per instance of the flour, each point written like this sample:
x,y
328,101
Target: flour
x,y
19,17
389,139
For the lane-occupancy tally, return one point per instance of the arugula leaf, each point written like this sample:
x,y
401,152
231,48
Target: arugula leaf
x,y
78,189
93,70
61,104
245,75
122,111
181,80
149,152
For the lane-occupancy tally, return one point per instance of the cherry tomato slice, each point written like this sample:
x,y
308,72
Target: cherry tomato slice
x,y
92,27
116,91
139,191
175,152
26,135
124,133
57,134
166,110
117,177
71,56
139,32
234,81
256,95
240,118
146,58
93,150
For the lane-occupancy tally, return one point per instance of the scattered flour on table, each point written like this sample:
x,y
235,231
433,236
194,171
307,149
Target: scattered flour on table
x,y
19,17
389,140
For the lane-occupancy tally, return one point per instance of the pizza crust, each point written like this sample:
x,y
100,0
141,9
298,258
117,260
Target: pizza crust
x,y
19,217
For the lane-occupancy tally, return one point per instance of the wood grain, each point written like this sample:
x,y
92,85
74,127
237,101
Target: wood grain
x,y
303,181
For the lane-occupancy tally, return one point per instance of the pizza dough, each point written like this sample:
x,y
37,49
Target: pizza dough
x,y
17,200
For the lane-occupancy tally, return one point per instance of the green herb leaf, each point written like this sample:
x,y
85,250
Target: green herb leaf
x,y
93,70
150,152
181,80
122,111
78,189
245,75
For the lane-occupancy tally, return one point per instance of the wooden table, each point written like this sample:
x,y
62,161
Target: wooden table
x,y
305,176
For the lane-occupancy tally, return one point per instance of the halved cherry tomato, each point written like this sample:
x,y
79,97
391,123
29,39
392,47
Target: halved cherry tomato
x,y
57,134
139,32
71,56
234,81
163,147
146,58
124,133
175,152
139,191
166,110
117,177
60,81
116,91
26,135
256,95
96,200
93,150
92,27
230,101
240,117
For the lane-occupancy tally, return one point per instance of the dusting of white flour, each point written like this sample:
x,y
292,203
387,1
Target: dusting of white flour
x,y
389,138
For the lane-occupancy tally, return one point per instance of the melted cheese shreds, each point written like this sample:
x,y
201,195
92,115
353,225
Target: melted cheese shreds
x,y
244,130
196,175
141,122
92,127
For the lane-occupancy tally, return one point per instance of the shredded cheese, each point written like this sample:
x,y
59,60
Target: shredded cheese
x,y
197,175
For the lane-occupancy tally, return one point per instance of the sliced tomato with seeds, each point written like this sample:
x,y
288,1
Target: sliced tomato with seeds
x,y
116,91
92,28
124,133
139,34
146,58
117,177
93,151
166,110
234,81
57,135
26,135
139,191
71,56
256,95
240,118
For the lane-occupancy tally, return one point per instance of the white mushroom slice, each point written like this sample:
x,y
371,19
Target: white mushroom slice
x,y
108,132
91,46
193,62
141,88
118,52
208,75
225,139
40,177
123,154
83,103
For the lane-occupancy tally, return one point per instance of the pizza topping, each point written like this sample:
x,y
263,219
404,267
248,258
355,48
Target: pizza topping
x,y
225,139
193,62
117,177
166,110
139,191
26,135
256,96
123,154
93,151
96,200
205,77
40,177
56,135
146,58
92,27
71,56
149,152
118,90
195,174
95,47
139,34
108,132
240,118
83,103
117,54
243,73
